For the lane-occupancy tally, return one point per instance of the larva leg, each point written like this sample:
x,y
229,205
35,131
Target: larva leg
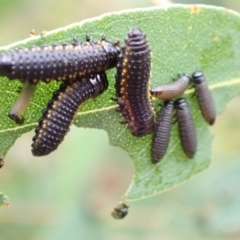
x,y
88,39
103,37
22,102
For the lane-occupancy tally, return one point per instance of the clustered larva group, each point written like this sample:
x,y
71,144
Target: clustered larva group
x,y
81,66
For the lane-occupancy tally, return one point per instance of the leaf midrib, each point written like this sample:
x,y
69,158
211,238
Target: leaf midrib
x,y
231,82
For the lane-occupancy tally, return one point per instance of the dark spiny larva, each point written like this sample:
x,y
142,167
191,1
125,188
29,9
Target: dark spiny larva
x,y
120,211
61,109
132,84
187,132
167,91
162,130
59,62
204,97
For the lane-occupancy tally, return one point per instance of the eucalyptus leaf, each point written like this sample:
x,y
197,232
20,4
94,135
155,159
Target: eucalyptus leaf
x,y
183,39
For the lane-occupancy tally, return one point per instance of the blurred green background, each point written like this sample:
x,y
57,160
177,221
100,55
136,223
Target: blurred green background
x,y
71,193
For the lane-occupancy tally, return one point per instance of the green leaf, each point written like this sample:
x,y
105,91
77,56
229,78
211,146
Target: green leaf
x,y
4,200
183,39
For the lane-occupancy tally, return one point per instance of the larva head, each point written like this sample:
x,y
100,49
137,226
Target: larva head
x,y
180,104
99,82
186,78
38,149
112,50
136,40
135,32
198,77
168,104
5,65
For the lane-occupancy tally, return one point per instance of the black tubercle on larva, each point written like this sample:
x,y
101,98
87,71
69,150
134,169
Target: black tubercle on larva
x,y
187,132
132,83
60,111
204,97
59,62
162,130
167,91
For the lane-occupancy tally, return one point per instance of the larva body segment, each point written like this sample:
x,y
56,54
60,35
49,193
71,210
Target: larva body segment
x,y
132,84
60,111
204,97
162,130
168,91
187,132
59,62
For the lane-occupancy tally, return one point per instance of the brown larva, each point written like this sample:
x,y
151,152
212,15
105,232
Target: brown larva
x,y
187,132
162,130
204,97
168,91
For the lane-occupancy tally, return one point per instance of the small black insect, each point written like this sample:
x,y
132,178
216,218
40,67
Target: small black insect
x,y
204,97
186,127
22,102
168,91
120,211
59,62
1,161
132,84
61,109
162,130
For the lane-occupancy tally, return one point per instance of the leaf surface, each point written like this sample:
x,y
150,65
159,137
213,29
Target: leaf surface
x,y
183,39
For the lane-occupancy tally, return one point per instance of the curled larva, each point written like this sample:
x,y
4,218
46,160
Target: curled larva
x,y
58,115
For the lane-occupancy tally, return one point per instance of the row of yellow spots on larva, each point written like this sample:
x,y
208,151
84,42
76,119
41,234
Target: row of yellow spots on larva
x,y
61,78
45,124
40,134
56,105
68,47
48,80
34,80
125,63
35,49
58,47
47,48
72,76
